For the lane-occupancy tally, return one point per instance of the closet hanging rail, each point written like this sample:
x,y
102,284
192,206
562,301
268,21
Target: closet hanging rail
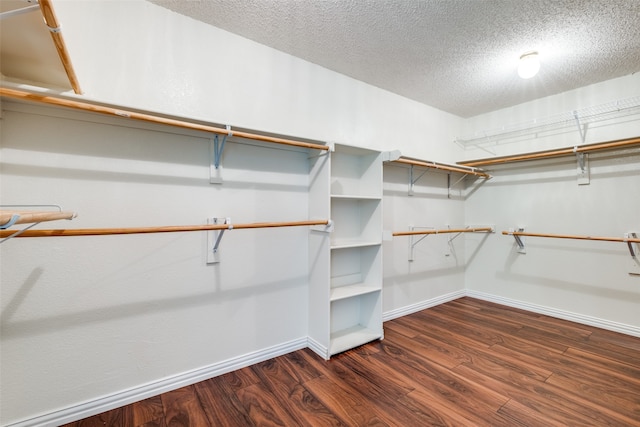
x,y
441,166
95,108
537,155
425,232
165,229
51,21
444,231
633,238
11,217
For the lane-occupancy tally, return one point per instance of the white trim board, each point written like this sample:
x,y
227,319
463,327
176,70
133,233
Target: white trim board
x,y
560,314
122,398
423,305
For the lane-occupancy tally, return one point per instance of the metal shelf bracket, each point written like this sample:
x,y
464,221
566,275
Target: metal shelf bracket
x,y
214,237
519,239
450,186
633,247
216,147
413,240
413,180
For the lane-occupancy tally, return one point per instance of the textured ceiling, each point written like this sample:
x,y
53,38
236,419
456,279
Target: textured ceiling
x,y
456,55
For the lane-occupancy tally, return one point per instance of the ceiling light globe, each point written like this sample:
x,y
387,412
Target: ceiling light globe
x,y
529,65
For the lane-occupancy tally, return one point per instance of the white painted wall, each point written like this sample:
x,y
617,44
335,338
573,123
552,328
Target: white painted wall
x,y
105,317
582,280
438,266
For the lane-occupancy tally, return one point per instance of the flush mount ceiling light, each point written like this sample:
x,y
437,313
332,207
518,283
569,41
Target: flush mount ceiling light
x,y
529,65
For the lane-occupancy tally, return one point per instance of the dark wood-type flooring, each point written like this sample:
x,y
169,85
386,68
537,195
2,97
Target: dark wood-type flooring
x,y
463,363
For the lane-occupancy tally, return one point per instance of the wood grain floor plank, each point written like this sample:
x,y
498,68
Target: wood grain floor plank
x,y
345,403
625,371
304,365
438,351
544,399
522,415
182,408
599,392
396,325
148,412
263,408
240,378
301,404
113,418
220,403
452,391
459,327
465,314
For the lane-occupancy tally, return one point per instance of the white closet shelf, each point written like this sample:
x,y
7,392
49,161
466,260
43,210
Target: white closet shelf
x,y
349,291
352,337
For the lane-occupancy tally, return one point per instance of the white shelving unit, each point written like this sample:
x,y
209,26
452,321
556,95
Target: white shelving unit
x,y
346,266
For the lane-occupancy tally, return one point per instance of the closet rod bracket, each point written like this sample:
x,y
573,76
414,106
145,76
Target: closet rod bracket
x,y
633,247
216,147
519,239
414,240
214,237
450,186
413,180
583,167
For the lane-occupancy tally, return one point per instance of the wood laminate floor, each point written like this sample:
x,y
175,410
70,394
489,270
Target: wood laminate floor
x,y
464,363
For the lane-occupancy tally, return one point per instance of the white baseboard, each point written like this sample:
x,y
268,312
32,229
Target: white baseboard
x,y
317,348
413,308
560,314
155,388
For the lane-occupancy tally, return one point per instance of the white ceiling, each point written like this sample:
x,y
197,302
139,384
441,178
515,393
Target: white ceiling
x,y
456,55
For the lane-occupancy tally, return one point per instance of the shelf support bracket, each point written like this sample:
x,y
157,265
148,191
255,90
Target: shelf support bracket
x,y
582,168
216,147
413,180
214,237
633,247
450,186
413,241
582,158
519,240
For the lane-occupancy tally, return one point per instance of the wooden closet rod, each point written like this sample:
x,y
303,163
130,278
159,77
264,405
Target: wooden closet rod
x,y
51,22
468,171
609,145
166,229
33,216
569,236
447,230
95,108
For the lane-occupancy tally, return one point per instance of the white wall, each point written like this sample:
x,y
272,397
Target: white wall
x,y
581,280
91,317
437,270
